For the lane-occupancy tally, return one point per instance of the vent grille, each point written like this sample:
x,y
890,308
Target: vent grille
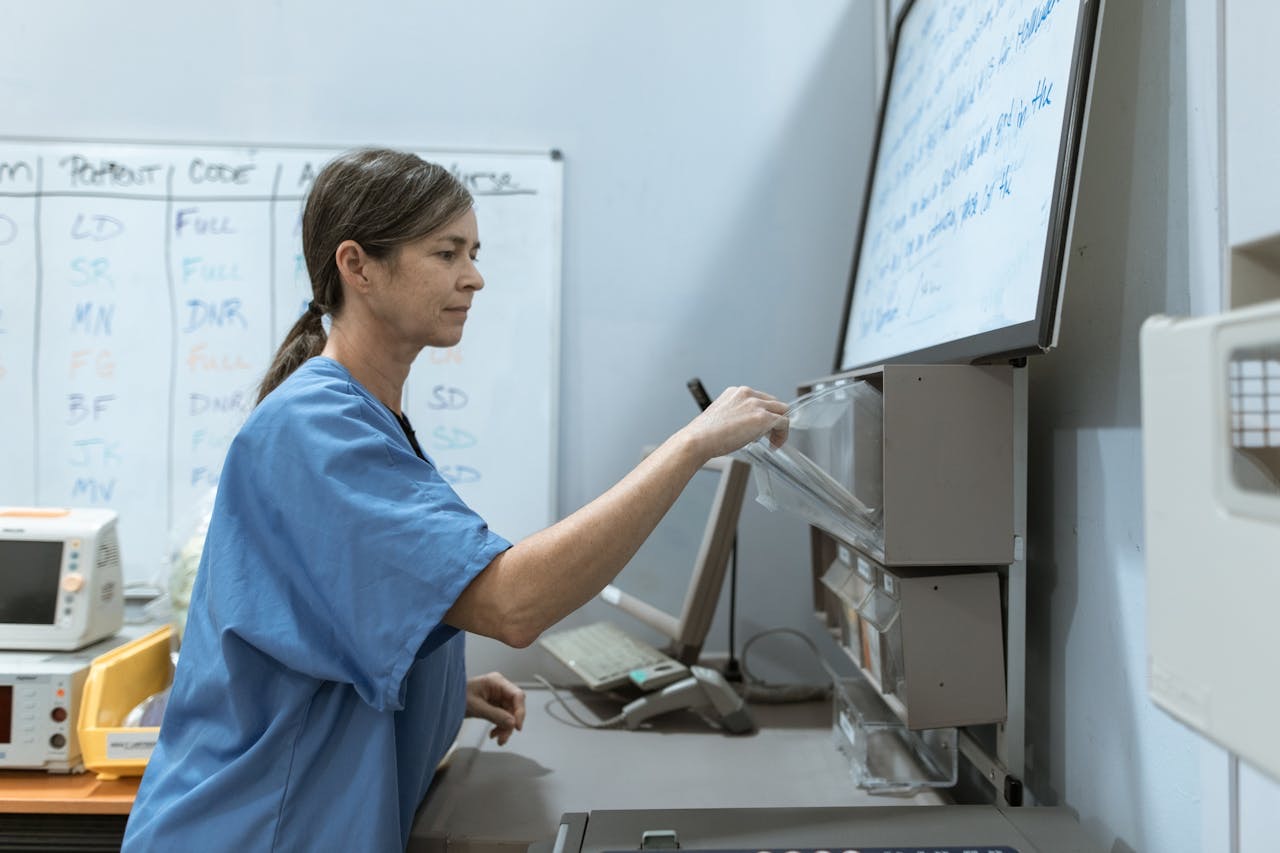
x,y
108,562
1255,397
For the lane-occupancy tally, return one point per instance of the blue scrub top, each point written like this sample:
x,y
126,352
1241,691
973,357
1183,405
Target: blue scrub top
x,y
317,687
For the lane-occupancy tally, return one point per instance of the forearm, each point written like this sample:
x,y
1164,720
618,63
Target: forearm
x,y
550,574
544,578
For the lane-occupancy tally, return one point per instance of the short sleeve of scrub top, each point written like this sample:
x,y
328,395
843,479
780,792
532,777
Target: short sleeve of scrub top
x,y
317,685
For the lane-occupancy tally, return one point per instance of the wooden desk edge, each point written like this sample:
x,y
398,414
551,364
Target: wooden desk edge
x,y
37,792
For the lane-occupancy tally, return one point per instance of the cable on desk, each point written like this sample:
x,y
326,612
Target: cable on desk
x,y
762,692
732,671
556,692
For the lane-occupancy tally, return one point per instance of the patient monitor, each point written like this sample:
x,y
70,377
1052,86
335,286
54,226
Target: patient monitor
x,y
61,584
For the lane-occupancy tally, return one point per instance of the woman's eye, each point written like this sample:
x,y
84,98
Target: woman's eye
x,y
448,255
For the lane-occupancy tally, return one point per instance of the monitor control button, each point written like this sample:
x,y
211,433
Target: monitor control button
x,y
73,582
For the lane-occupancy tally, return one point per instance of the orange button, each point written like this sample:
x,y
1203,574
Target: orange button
x,y
73,582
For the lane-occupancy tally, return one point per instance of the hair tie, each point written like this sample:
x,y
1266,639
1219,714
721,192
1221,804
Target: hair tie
x,y
313,308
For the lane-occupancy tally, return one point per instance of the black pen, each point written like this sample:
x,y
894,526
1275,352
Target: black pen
x,y
699,393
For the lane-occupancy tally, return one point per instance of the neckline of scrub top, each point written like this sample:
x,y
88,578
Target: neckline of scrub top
x,y
408,431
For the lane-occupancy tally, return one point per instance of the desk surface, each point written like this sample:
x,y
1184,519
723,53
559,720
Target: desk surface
x,y
516,794
37,792
508,797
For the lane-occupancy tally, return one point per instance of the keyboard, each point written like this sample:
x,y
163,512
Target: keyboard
x,y
605,656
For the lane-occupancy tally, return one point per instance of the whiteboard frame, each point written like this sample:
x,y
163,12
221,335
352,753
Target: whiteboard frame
x,y
551,153
1039,334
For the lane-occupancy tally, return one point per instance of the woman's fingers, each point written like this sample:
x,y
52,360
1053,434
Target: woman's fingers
x,y
739,416
494,698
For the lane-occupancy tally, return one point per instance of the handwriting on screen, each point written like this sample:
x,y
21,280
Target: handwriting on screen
x,y
143,291
965,174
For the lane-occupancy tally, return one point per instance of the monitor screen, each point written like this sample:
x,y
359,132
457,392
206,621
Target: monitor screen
x,y
6,713
967,214
29,572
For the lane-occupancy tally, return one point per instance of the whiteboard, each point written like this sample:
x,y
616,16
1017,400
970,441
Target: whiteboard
x,y
968,211
144,289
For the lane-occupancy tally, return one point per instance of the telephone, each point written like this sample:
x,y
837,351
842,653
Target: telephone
x,y
704,691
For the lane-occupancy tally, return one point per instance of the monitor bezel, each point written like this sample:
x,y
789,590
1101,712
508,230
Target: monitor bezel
x,y
687,632
1013,342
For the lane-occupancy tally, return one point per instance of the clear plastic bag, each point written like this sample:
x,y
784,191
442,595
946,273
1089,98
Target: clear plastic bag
x,y
148,712
186,560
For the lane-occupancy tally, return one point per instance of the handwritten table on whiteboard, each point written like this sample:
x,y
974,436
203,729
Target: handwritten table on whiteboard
x,y
144,290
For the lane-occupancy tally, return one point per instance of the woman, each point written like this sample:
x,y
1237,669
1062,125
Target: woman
x,y
322,674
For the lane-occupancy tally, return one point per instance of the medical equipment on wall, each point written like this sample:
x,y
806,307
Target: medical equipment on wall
x,y
1211,444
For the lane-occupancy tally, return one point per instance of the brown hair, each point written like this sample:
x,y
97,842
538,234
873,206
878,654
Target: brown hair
x,y
382,199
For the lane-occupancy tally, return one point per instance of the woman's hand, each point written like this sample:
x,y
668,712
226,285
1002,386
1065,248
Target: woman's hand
x,y
739,416
492,697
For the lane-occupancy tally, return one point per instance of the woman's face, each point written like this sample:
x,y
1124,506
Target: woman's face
x,y
429,285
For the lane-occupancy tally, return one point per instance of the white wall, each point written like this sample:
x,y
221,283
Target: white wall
x,y
1240,806
1147,240
714,159
1095,741
1249,69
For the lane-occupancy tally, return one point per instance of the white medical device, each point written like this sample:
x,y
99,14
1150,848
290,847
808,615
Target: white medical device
x,y
40,696
61,584
1211,439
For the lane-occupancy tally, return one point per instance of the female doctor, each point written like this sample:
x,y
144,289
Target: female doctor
x,y
322,677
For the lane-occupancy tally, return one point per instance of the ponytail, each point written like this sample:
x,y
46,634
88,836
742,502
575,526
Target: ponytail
x,y
305,340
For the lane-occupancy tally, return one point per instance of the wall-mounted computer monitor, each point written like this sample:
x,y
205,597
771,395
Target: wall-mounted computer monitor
x,y
967,216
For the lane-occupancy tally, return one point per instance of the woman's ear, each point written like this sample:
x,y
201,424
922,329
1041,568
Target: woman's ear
x,y
353,265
